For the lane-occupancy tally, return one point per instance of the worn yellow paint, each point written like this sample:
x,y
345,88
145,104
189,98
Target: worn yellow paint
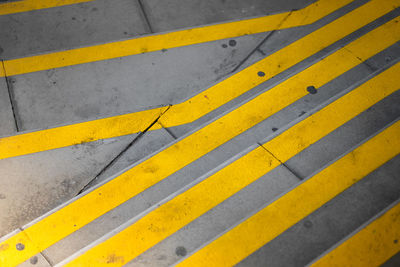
x,y
371,246
185,208
223,92
169,40
29,5
280,215
78,133
2,73
67,220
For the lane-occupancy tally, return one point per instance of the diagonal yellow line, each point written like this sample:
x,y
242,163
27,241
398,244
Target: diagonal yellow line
x,y
84,132
81,212
371,246
196,106
169,40
29,5
280,215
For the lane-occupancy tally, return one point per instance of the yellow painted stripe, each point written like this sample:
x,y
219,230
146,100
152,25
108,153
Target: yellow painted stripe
x,y
185,208
280,215
29,5
169,40
221,93
371,246
67,220
2,73
84,132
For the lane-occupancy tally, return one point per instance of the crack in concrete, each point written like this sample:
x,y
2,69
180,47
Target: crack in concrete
x,y
12,99
141,134
282,163
122,152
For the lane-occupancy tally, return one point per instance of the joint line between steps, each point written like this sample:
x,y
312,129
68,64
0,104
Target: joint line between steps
x,y
40,252
363,61
11,98
168,131
257,48
146,18
283,164
47,259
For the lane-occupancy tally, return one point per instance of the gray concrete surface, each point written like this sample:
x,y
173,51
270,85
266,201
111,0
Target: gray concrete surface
x,y
34,184
123,85
7,123
166,15
335,220
71,26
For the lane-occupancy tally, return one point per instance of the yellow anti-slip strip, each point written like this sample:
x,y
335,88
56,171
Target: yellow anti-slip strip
x,y
185,208
2,73
169,40
89,207
214,96
29,5
280,215
372,246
